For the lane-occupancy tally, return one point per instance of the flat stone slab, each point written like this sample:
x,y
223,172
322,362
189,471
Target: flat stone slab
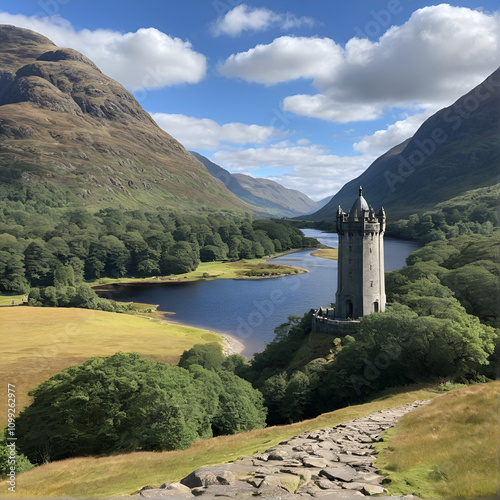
x,y
227,490
315,462
345,474
289,482
373,489
339,495
177,490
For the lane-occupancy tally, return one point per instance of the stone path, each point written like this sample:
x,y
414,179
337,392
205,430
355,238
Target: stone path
x,y
334,463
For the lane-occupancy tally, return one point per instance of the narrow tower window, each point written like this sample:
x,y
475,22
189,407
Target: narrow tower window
x,y
349,308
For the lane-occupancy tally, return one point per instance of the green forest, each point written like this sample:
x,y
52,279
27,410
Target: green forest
x,y
52,251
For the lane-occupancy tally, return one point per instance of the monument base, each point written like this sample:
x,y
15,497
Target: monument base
x,y
324,321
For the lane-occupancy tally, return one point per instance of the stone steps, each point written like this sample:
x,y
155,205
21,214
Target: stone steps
x,y
334,463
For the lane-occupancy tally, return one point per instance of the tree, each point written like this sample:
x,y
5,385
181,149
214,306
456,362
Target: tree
x,y
126,402
296,397
117,256
123,402
273,390
209,356
180,259
240,408
64,276
12,275
210,253
9,453
38,262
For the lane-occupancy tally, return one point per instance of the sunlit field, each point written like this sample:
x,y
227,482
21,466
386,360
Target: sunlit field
x,y
39,342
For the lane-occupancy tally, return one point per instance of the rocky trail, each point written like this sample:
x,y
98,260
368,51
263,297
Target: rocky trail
x,y
334,463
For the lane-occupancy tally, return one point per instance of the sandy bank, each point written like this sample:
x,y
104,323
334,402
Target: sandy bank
x,y
231,345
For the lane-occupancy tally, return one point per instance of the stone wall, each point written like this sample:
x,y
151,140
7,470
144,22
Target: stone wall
x,y
334,327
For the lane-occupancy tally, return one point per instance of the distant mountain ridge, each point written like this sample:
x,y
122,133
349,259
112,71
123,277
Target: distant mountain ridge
x,y
270,196
66,124
454,151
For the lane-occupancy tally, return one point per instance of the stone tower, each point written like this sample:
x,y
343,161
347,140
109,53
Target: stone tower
x,y
360,278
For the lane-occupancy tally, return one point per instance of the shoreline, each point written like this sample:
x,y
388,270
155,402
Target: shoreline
x,y
185,278
230,344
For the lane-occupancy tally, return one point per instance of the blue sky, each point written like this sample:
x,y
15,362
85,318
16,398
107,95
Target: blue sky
x,y
307,93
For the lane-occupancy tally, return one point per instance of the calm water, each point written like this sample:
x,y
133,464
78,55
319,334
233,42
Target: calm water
x,y
250,309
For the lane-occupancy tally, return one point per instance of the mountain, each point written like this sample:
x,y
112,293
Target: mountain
x,y
324,201
454,151
65,124
273,198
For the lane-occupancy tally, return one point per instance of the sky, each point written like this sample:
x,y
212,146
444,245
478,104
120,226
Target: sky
x,y
306,93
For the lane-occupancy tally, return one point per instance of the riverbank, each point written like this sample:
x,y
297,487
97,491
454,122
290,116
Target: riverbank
x,y
209,271
231,345
327,253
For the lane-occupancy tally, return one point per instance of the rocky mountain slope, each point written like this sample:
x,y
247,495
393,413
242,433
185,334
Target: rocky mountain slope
x,y
273,198
66,124
454,151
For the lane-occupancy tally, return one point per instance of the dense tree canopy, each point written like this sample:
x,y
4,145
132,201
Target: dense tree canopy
x,y
42,246
127,402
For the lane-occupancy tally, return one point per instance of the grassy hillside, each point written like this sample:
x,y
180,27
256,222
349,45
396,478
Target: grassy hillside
x,y
43,341
64,124
126,473
447,449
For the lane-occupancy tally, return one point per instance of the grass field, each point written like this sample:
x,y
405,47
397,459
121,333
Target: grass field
x,y
127,473
327,253
447,449
205,271
41,341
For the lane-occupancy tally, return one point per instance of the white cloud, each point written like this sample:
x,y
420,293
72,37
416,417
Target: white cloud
x,y
439,54
243,18
383,140
320,106
307,167
310,169
203,133
145,59
303,142
286,58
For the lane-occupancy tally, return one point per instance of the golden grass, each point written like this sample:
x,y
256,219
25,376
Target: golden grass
x,y
39,342
327,253
127,473
448,448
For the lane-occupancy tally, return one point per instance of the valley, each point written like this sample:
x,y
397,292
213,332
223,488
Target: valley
x,y
159,306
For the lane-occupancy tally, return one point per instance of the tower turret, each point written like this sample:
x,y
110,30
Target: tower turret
x,y
360,277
